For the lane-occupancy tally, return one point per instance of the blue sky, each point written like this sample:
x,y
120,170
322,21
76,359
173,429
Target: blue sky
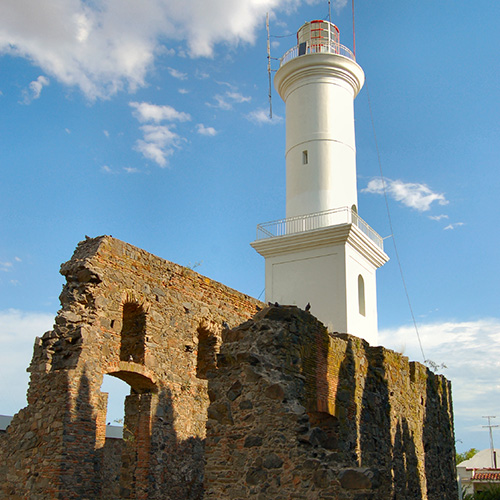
x,y
150,124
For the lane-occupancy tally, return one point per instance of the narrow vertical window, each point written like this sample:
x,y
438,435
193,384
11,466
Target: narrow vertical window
x,y
133,333
361,295
305,157
207,352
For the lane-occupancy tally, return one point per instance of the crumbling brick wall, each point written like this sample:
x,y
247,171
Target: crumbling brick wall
x,y
155,325
298,413
276,407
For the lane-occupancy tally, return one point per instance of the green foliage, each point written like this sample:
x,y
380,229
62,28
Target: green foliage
x,y
435,367
461,457
492,493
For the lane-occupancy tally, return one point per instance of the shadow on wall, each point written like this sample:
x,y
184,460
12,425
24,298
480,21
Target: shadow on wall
x,y
154,462
405,464
347,408
375,423
80,437
151,461
438,437
169,453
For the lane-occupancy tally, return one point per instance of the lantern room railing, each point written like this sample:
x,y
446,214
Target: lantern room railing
x,y
316,48
319,220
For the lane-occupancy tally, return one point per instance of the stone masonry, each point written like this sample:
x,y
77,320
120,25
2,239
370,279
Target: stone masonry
x,y
229,399
149,322
298,413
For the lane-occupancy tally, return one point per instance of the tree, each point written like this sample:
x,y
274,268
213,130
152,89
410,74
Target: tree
x,y
492,493
461,457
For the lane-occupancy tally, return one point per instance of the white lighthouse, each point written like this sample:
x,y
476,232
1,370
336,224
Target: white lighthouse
x,y
323,253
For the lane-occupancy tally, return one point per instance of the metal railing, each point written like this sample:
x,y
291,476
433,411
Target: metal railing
x,y
310,222
327,48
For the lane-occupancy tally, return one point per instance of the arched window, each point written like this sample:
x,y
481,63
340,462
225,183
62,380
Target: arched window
x,y
361,295
133,334
207,352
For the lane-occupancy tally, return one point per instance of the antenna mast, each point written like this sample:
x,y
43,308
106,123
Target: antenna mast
x,y
329,11
269,66
493,458
353,32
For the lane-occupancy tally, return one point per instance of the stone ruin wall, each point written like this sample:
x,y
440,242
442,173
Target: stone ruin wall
x,y
298,413
284,410
155,325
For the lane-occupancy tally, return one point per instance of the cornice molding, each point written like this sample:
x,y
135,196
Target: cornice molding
x,y
341,234
310,66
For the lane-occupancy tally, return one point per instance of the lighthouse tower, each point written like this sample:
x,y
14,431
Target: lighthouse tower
x,y
323,253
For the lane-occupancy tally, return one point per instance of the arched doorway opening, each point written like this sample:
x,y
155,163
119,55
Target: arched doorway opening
x,y
126,461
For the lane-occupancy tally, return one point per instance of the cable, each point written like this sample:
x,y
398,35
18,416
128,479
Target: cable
x,y
392,229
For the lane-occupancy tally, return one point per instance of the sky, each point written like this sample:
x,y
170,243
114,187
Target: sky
x,y
149,121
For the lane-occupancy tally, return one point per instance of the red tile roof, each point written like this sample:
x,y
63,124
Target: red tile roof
x,y
486,476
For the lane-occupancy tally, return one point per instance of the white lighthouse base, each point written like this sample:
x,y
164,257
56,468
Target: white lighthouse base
x,y
331,268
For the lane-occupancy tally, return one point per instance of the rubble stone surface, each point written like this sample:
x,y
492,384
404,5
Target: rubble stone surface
x,y
229,399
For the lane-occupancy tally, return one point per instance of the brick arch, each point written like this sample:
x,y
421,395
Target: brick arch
x,y
133,296
139,377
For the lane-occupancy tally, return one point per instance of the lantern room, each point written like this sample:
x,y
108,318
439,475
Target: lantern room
x,y
318,36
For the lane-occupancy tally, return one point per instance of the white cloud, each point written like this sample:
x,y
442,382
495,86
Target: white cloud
x,y
107,169
454,225
237,97
225,101
159,140
106,133
471,352
106,46
177,74
438,217
414,195
201,129
202,75
18,330
221,103
146,112
261,116
131,170
37,86
35,89
158,143
338,5
183,91
6,266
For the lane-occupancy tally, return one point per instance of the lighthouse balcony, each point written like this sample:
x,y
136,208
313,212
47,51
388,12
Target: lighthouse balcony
x,y
315,48
316,221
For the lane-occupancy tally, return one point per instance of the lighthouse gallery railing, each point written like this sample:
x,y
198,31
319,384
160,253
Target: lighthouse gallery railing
x,y
307,48
318,220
